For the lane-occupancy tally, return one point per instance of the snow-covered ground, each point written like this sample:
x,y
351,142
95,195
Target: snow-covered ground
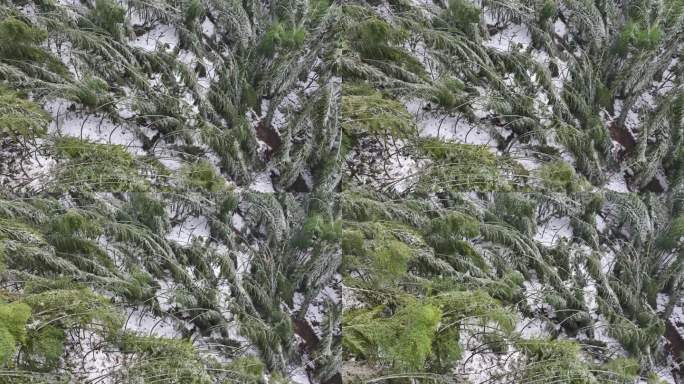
x,y
98,129
86,357
160,36
144,323
191,228
262,183
556,228
512,36
447,127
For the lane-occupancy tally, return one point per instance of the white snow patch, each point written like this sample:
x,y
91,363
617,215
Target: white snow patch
x,y
662,179
600,224
98,129
297,301
449,128
607,261
560,28
590,293
70,3
262,183
677,317
525,158
310,84
243,263
164,295
601,328
89,357
298,375
632,120
455,129
145,324
167,156
563,74
29,171
331,293
477,366
349,299
534,294
204,82
237,222
617,183
664,374
208,27
532,328
511,37
402,170
549,233
661,301
161,35
192,227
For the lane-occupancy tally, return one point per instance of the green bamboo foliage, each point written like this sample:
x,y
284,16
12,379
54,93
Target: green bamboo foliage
x,y
121,246
202,191
395,263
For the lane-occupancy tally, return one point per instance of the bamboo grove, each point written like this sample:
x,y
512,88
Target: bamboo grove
x,y
351,191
